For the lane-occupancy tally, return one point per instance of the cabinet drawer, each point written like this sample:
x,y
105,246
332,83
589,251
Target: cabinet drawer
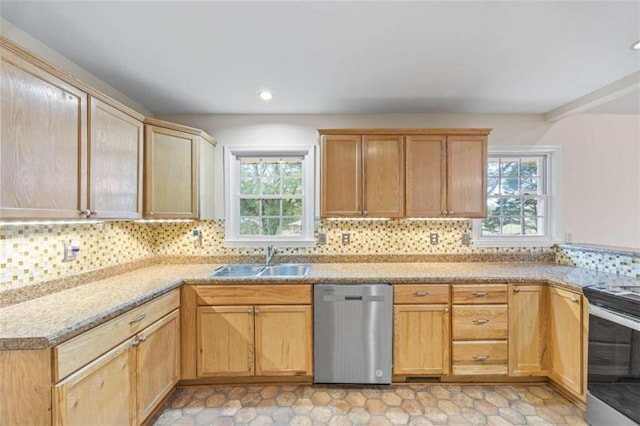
x,y
281,294
481,294
479,322
74,353
420,293
481,357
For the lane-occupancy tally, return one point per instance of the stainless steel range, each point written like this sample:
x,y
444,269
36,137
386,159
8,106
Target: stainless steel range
x,y
613,384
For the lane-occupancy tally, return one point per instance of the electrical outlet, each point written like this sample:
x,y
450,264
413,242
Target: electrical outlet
x,y
346,239
433,238
322,238
466,239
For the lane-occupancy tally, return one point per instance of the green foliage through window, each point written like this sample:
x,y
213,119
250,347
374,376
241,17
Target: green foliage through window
x,y
271,196
515,197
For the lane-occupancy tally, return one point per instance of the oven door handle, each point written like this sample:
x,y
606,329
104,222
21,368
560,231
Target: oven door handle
x,y
615,317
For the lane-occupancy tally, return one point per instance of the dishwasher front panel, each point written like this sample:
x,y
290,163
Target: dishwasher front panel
x,y
353,327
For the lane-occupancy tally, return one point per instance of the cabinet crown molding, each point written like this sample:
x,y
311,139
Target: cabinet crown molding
x,y
179,127
411,131
29,56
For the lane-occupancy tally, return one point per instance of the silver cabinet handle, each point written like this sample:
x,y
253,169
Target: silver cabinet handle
x,y
142,338
574,300
446,310
450,212
249,311
479,293
480,357
516,289
138,318
136,342
421,293
480,321
444,212
365,212
257,311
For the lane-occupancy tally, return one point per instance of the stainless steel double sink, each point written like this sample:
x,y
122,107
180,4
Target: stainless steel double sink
x,y
280,270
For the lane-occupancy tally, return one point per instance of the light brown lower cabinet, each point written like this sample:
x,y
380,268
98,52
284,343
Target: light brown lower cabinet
x,y
261,340
421,340
103,392
566,339
527,330
124,385
113,374
157,363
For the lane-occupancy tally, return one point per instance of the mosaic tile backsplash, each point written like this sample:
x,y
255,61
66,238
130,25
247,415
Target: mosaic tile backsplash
x,y
30,254
620,262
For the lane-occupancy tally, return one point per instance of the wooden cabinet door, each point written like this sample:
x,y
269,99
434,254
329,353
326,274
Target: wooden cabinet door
x,y
566,338
101,393
426,175
383,170
527,316
341,176
115,163
467,176
421,339
44,141
171,174
158,363
225,341
284,340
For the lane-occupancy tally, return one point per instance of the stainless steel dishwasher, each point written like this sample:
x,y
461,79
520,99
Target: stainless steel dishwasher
x,y
353,326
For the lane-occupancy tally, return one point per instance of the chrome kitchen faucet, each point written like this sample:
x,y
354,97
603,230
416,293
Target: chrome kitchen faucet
x,y
271,251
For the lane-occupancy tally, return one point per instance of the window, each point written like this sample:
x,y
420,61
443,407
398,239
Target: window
x,y
269,196
522,192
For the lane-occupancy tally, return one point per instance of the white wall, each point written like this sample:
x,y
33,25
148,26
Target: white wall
x,y
600,177
21,38
598,151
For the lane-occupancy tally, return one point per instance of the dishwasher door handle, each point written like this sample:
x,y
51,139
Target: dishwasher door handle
x,y
349,298
353,298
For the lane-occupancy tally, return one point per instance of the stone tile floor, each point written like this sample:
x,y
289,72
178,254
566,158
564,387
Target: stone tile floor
x,y
411,404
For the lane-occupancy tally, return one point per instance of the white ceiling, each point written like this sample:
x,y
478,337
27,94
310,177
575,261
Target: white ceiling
x,y
343,57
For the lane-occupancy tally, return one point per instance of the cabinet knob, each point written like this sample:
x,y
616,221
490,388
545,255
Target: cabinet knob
x,y
142,338
574,300
257,311
446,310
444,212
450,212
516,289
249,311
365,212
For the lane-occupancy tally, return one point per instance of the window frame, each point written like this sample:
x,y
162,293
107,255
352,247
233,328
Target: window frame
x,y
231,167
552,156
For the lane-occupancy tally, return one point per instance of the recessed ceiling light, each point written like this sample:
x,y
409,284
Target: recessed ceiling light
x,y
266,95
636,45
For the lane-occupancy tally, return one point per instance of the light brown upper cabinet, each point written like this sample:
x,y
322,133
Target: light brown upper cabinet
x,y
362,176
43,143
178,172
447,175
397,173
115,163
68,151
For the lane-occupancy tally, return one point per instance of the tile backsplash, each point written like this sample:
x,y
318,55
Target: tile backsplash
x,y
599,258
33,253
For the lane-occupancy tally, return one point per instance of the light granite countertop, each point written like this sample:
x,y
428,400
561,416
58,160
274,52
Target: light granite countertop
x,y
47,321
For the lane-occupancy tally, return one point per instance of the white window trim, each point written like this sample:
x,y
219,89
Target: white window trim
x,y
553,229
232,189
